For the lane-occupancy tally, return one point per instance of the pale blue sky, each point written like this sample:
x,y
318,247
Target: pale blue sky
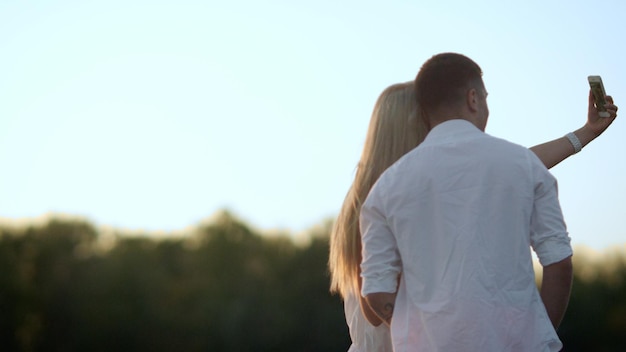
x,y
155,114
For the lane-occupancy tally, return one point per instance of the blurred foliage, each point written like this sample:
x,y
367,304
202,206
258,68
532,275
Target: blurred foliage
x,y
64,286
221,288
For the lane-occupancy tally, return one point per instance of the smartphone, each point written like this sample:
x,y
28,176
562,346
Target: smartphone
x,y
599,94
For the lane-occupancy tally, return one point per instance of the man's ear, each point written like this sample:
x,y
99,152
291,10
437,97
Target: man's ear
x,y
472,100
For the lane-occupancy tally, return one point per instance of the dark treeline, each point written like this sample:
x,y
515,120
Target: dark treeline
x,y
222,287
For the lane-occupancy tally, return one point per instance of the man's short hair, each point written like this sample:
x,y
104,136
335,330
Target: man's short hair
x,y
444,80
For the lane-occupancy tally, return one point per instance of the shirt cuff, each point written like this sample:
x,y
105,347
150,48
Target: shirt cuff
x,y
387,283
553,250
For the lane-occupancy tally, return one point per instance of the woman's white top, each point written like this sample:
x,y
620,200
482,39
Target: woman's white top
x,y
365,336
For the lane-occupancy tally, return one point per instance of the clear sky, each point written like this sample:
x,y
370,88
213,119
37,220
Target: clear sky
x,y
153,115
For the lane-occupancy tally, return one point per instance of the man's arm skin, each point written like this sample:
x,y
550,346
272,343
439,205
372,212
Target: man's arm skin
x,y
368,313
382,304
555,289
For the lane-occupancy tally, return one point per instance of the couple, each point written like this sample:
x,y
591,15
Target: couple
x,y
441,239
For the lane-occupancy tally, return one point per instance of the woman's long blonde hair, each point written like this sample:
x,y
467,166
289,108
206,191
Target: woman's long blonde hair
x,y
395,128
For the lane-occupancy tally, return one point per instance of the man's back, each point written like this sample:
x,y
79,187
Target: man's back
x,y
460,212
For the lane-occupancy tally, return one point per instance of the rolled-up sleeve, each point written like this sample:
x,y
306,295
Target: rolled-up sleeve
x,y
381,261
548,236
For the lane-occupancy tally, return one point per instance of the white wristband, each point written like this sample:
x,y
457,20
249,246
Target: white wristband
x,y
575,142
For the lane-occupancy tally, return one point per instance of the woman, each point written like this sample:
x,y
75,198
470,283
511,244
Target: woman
x,y
396,128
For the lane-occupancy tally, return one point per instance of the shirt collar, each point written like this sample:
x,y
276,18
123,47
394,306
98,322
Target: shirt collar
x,y
451,129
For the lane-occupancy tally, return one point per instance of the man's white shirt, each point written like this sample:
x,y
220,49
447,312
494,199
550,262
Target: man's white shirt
x,y
456,218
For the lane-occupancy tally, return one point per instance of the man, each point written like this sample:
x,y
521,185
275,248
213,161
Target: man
x,y
457,217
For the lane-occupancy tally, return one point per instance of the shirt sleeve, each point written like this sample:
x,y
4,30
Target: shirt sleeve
x,y
381,261
548,236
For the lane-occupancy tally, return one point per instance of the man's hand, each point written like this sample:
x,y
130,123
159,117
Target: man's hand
x,y
382,304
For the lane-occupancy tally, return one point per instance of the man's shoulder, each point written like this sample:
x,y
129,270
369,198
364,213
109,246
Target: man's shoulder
x,y
505,146
392,176
403,165
514,155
